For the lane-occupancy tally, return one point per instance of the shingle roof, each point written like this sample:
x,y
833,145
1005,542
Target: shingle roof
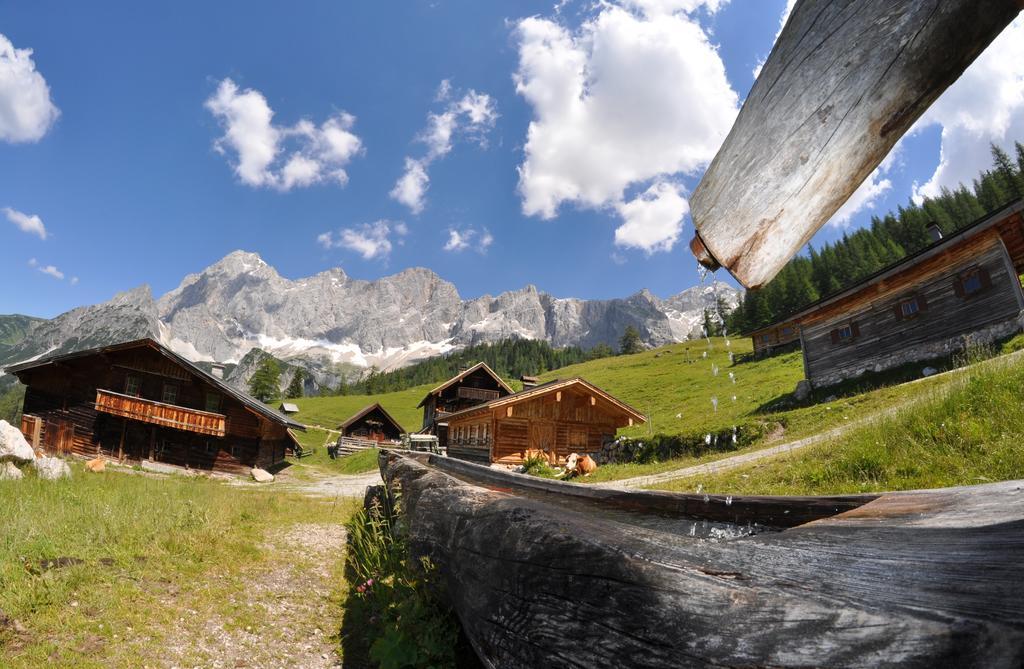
x,y
548,387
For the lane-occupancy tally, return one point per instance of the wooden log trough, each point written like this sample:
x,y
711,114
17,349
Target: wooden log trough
x,y
549,574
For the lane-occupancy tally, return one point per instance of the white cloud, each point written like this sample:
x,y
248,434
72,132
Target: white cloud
x,y
74,281
628,99
653,219
31,224
370,240
472,116
50,270
315,154
26,110
411,187
661,7
864,197
986,105
464,238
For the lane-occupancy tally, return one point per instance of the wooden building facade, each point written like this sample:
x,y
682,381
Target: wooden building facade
x,y
960,290
776,338
139,402
372,423
557,418
470,388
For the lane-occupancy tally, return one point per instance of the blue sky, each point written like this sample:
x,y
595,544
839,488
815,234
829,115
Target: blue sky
x,y
135,145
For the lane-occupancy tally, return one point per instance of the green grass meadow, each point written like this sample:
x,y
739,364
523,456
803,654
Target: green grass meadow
x,y
137,553
967,431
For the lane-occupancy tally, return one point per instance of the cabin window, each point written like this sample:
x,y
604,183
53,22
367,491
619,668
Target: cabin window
x,y
212,402
972,283
132,384
765,339
787,331
170,395
845,334
909,307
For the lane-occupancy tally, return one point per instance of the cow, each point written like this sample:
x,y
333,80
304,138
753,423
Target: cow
x,y
579,465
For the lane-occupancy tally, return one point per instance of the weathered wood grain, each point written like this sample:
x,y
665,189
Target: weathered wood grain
x,y
845,80
908,579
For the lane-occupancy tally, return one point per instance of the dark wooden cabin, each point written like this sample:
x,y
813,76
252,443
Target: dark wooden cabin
x,y
372,423
776,338
558,418
960,290
474,386
141,402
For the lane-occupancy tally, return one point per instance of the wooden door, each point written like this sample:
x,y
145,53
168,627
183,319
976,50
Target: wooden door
x,y
59,436
542,437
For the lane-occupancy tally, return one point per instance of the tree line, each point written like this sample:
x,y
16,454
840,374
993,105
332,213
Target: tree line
x,y
807,278
509,358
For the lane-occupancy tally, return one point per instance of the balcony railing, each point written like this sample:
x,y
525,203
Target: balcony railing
x,y
481,394
158,413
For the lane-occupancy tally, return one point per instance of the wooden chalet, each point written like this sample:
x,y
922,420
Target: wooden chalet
x,y
288,407
471,387
372,423
960,290
558,418
141,402
776,338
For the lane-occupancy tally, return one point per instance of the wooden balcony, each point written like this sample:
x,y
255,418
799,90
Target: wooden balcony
x,y
158,413
481,394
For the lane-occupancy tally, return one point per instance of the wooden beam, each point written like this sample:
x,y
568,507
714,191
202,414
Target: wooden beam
x,y
845,80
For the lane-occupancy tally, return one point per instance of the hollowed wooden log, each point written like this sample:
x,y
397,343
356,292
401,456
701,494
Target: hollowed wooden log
x,y
920,579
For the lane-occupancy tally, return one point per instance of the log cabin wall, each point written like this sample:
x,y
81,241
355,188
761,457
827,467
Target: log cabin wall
x,y
561,422
969,293
62,398
775,337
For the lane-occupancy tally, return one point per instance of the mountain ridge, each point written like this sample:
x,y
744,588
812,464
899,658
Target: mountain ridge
x,y
335,326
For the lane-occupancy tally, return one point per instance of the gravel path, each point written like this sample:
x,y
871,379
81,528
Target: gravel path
x,y
281,614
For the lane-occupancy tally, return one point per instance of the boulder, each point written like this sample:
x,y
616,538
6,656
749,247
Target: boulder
x,y
10,472
13,447
51,469
802,391
96,465
929,371
261,475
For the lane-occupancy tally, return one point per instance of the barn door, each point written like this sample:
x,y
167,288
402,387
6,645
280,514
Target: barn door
x,y
542,437
59,436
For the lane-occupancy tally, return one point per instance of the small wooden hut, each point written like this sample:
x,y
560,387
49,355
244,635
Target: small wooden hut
x,y
141,402
776,338
372,423
473,386
557,418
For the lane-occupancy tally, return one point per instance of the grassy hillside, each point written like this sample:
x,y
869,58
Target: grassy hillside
x,y
674,384
330,411
967,432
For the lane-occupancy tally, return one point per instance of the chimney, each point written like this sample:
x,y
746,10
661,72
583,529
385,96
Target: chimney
x,y
217,370
529,381
935,232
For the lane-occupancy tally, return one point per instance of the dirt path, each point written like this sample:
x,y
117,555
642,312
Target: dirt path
x,y
737,461
282,614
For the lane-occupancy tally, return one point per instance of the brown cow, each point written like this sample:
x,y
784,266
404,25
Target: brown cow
x,y
579,465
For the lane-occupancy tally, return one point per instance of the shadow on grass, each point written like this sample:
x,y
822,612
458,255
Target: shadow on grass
x,y
397,618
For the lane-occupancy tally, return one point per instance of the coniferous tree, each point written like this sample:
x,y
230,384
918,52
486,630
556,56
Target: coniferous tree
x,y
630,342
297,387
265,383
